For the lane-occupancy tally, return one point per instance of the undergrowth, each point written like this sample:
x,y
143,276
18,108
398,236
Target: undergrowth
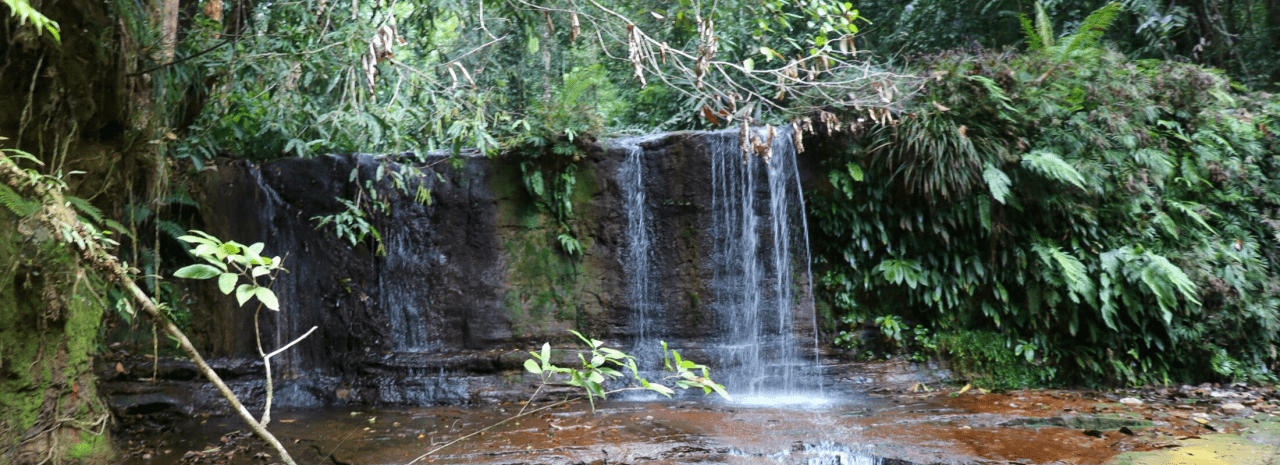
x,y
1090,218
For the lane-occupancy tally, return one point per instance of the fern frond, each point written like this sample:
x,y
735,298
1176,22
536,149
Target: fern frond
x,y
998,182
181,198
1044,28
1160,163
1072,270
171,229
16,203
1034,41
86,208
1051,166
23,11
1166,281
1092,28
1190,210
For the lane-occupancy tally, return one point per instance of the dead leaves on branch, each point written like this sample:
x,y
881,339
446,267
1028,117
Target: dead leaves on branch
x,y
381,48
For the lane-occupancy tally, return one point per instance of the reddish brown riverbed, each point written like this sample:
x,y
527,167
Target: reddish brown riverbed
x,y
939,427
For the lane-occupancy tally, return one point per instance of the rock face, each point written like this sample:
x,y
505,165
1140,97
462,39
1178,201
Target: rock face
x,y
470,279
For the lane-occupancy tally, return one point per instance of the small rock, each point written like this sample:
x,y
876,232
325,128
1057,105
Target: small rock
x,y
1131,401
1200,415
1232,406
648,418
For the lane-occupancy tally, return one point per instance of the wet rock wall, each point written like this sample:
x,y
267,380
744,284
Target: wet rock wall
x,y
469,279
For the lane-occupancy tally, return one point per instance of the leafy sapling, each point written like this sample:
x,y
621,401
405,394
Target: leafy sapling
x,y
598,367
232,262
229,262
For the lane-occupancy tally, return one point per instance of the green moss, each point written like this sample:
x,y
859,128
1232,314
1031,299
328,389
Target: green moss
x,y
983,357
550,291
91,446
49,324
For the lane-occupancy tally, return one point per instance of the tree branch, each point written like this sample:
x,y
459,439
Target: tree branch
x,y
57,216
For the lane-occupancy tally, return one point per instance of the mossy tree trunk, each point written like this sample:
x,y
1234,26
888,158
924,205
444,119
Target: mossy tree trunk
x,y
78,105
49,320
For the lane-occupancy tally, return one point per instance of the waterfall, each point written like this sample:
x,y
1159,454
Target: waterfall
x,y
760,283
761,246
641,287
406,301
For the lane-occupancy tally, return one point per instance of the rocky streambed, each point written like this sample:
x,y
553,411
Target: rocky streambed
x,y
899,424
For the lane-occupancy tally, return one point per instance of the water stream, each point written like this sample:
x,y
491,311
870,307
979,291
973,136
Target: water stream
x,y
638,256
760,260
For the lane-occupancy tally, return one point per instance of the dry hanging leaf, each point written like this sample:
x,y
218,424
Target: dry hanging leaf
x,y
710,115
574,28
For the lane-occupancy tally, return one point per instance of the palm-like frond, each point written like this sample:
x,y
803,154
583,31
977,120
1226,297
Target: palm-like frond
x,y
1051,166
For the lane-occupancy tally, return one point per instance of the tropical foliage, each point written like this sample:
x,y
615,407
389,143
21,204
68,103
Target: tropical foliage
x,y
1107,218
1240,37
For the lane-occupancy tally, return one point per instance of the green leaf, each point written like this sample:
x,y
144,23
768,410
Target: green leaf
x,y
531,366
268,298
245,292
1053,167
855,171
199,271
227,282
229,248
660,389
998,182
195,240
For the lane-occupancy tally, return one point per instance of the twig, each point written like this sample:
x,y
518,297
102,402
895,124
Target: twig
x,y
495,425
295,341
180,60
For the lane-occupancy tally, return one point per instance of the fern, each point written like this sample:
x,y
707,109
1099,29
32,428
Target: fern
x,y
172,229
87,209
1092,29
1167,282
1040,33
998,182
1073,271
16,203
23,10
1053,167
1189,209
1035,43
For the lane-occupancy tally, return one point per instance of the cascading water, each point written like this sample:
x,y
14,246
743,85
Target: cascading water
x,y
760,260
761,245
638,256
405,301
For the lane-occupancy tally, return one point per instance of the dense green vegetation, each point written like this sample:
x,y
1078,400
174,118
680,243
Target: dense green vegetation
x,y
1107,219
1096,207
